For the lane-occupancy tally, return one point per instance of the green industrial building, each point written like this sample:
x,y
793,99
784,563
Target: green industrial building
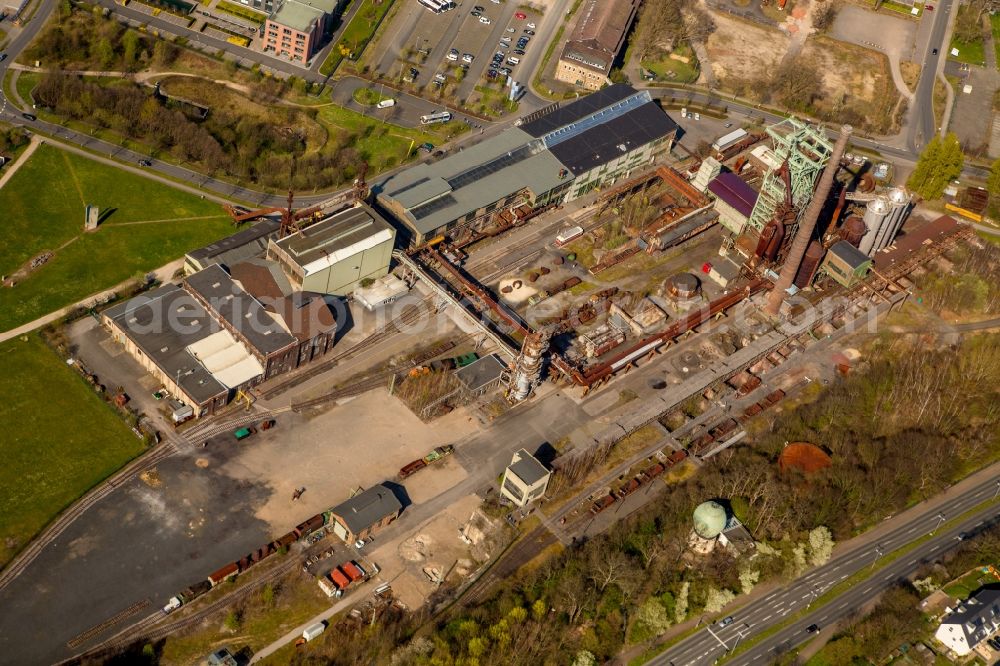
x,y
335,255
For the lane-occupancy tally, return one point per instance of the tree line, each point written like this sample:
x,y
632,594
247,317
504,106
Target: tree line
x,y
237,146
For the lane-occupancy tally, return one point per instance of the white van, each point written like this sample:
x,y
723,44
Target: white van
x,y
314,630
386,103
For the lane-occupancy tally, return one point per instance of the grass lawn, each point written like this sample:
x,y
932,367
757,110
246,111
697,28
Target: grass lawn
x,y
968,583
368,96
60,439
357,34
995,28
383,145
146,225
666,68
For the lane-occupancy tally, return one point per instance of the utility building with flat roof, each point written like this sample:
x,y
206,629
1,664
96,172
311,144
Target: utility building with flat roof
x,y
552,156
334,255
525,479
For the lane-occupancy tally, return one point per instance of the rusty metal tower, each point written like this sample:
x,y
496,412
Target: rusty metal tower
x,y
528,365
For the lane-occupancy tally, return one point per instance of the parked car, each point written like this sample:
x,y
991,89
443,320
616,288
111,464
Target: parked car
x,y
520,15
531,25
3,56
726,621
145,163
452,55
510,29
427,147
476,13
812,628
518,52
479,8
468,57
529,32
484,20
934,51
513,61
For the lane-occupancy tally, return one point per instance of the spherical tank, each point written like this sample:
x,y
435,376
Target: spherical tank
x,y
683,285
853,230
810,264
710,519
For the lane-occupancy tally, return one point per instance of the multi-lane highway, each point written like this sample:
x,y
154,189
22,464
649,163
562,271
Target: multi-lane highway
x,y
714,641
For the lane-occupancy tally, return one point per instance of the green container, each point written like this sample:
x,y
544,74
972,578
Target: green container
x,y
243,433
571,256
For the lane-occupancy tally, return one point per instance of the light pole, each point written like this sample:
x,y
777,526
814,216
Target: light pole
x,y
998,489
940,518
740,634
878,554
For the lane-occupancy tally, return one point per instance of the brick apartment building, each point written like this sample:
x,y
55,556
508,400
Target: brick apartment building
x,y
295,31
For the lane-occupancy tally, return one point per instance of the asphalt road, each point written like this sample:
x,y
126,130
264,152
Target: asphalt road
x,y
714,641
922,126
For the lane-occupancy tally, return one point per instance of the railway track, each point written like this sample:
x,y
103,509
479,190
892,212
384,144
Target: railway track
x,y
154,627
374,380
57,527
410,315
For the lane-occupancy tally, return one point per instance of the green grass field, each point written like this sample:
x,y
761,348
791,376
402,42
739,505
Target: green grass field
x,y
146,225
995,29
357,34
60,439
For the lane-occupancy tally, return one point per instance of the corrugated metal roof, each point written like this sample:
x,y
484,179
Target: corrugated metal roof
x,y
734,191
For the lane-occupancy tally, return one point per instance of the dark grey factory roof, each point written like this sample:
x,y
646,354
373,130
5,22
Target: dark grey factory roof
x,y
241,245
481,372
528,469
367,508
607,141
163,323
241,310
578,109
849,254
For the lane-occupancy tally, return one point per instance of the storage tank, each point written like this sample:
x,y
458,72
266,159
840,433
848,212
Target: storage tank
x,y
810,264
853,230
899,207
683,286
875,216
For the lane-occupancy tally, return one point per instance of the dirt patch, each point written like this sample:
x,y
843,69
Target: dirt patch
x,y
415,548
201,462
910,72
26,269
740,50
151,478
860,72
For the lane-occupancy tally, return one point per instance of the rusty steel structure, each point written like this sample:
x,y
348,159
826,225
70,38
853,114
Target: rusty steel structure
x,y
528,365
808,224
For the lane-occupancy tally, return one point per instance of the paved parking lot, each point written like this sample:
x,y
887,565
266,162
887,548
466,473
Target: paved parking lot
x,y
432,36
972,116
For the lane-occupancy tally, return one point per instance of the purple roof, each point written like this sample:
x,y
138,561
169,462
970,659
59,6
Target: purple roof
x,y
730,188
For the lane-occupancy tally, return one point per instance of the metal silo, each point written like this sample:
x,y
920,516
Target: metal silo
x,y
876,213
899,207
